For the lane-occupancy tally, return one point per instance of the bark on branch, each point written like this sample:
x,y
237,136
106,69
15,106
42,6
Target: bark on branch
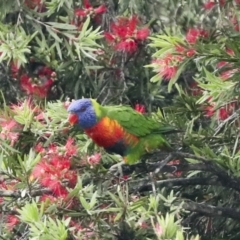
x,y
147,185
212,210
24,193
226,179
151,167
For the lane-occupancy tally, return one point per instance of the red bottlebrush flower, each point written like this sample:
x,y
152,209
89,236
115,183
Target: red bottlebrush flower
x,y
124,27
124,34
71,177
11,222
8,125
87,4
194,34
230,52
53,171
180,49
142,34
228,73
77,226
14,69
45,71
167,66
209,111
237,27
226,111
222,64
94,159
101,9
59,162
66,103
41,169
125,177
39,148
89,10
209,5
169,72
237,1
195,90
129,45
32,4
80,13
223,112
40,117
234,21
25,83
70,148
142,224
109,37
52,149
50,176
185,51
222,2
190,52
158,230
140,108
27,104
40,85
203,33
55,184
10,130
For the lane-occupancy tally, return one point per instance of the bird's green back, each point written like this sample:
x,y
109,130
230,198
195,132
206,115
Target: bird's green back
x,y
134,122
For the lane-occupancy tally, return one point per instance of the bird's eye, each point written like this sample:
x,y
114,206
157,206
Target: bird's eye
x,y
82,109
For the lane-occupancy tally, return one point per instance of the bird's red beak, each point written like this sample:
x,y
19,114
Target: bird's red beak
x,y
73,118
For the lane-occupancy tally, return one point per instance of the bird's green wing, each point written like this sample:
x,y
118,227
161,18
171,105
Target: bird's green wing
x,y
135,122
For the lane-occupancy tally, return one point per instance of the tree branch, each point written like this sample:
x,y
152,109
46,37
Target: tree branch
x,y
23,193
151,167
146,185
212,210
223,176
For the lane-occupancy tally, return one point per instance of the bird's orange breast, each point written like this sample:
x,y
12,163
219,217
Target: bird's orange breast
x,y
108,132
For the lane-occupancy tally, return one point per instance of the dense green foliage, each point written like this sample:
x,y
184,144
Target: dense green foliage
x,y
178,60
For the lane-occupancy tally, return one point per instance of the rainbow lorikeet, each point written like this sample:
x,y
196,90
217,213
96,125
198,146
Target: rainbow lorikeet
x,y
119,129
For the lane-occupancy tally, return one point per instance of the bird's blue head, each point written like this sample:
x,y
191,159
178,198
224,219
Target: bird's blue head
x,y
82,112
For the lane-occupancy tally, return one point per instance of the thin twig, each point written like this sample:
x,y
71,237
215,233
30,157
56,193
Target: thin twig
x,y
163,163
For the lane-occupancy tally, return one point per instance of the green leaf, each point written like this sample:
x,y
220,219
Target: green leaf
x,y
156,78
84,203
115,199
62,25
53,34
